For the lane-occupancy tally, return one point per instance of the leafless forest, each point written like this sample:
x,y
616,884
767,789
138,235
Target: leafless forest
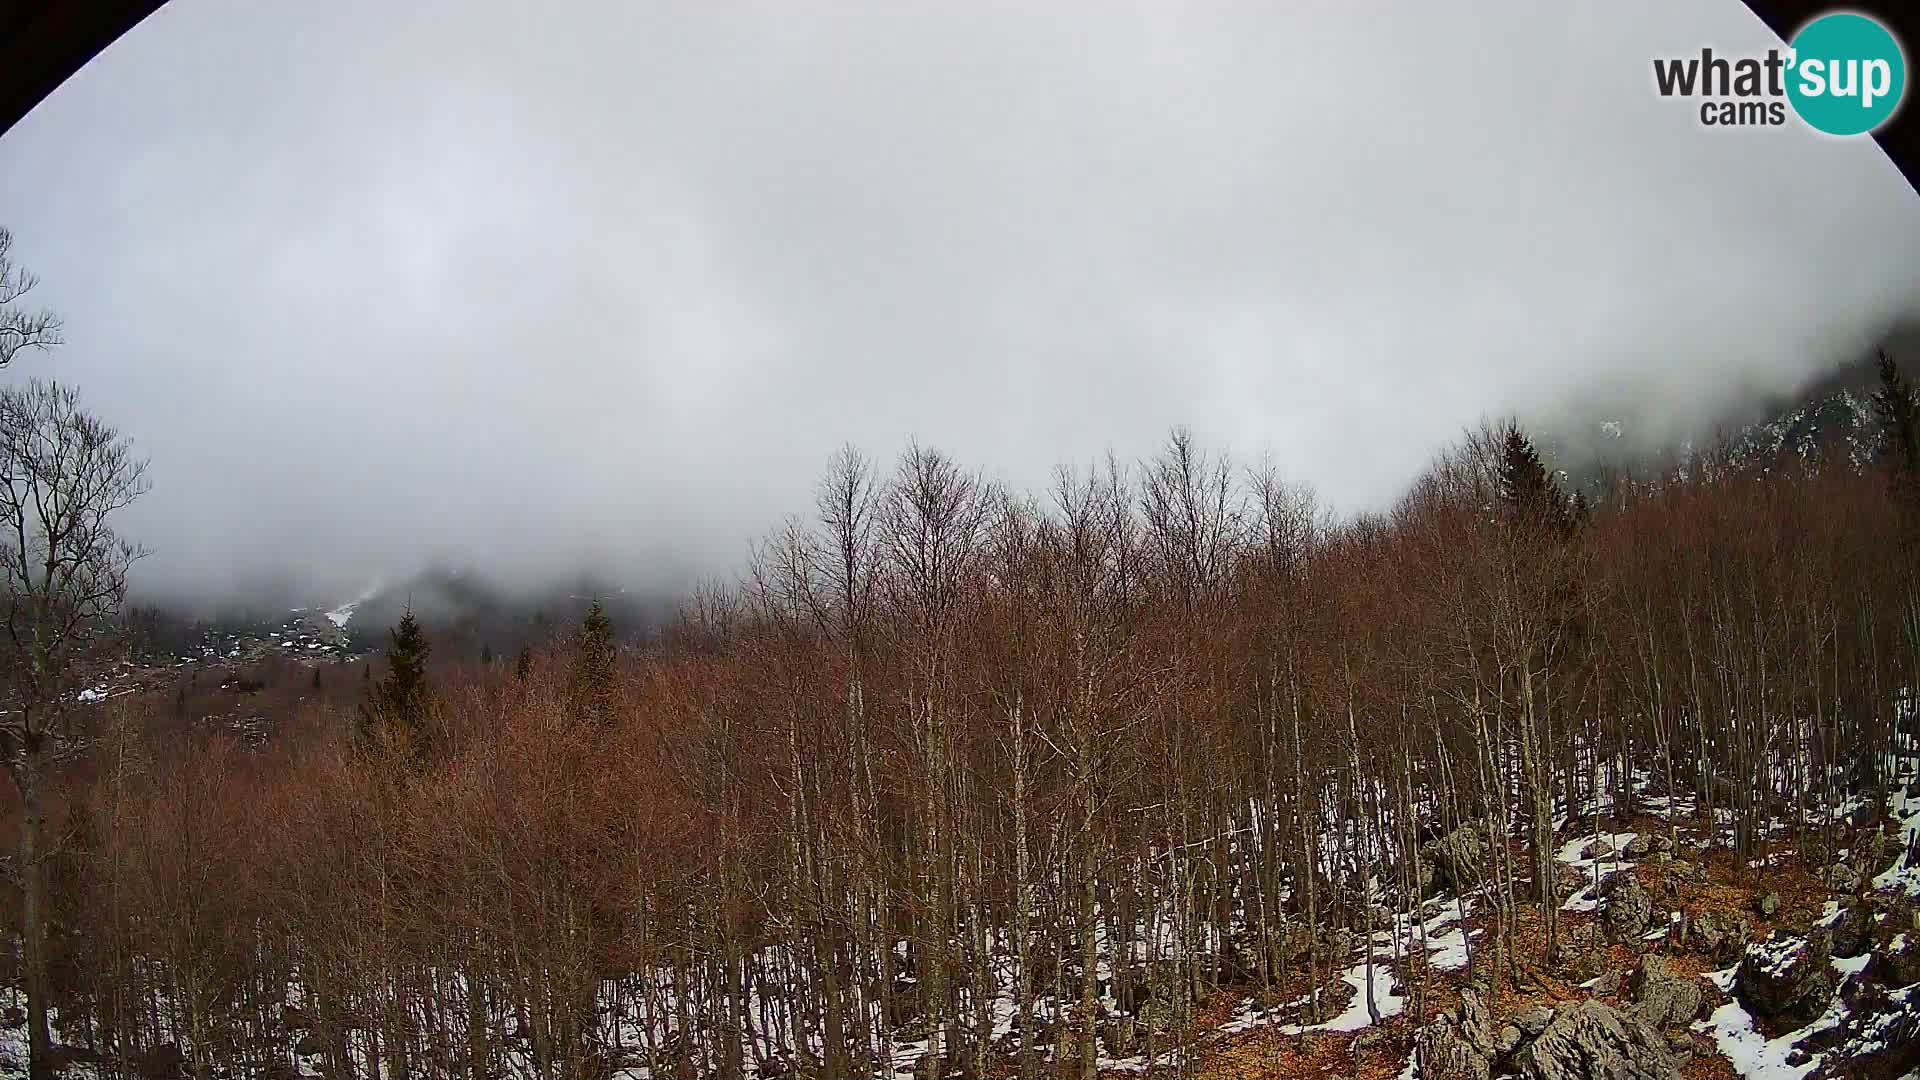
x,y
977,782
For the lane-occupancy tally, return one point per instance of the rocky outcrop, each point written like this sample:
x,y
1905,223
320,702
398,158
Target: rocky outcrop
x,y
1786,984
1788,981
1629,910
1459,1044
1842,877
1852,931
1339,944
1585,1040
1590,1040
1426,880
1719,935
1871,853
1445,1053
1567,880
1475,1020
1533,1021
1662,998
1877,1035
1645,844
1458,858
1898,964
1682,871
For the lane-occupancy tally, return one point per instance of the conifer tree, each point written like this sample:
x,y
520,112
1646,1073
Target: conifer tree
x,y
523,665
316,678
486,654
1898,409
397,705
1528,490
593,674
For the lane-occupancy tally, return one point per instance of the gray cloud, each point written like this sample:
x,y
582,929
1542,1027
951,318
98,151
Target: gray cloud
x,y
527,285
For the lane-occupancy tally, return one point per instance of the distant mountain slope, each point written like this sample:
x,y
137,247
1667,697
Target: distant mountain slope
x,y
464,611
1833,415
1829,414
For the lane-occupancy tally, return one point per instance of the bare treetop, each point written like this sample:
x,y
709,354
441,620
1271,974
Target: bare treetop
x,y
21,328
63,474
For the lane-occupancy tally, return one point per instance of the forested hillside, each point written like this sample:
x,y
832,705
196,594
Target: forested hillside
x,y
1161,769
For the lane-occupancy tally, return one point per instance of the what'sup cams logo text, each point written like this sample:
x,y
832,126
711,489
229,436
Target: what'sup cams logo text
x,y
1843,74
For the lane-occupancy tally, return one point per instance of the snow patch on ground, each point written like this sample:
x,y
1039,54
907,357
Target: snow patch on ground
x,y
1572,853
13,1052
1752,1054
1388,1003
1904,876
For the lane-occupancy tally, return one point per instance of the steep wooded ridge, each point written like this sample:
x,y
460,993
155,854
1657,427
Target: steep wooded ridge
x,y
1159,771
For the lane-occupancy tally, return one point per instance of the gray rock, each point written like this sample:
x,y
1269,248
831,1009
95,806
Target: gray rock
x,y
1721,936
1629,910
1507,1041
1533,1021
1425,880
1568,880
1871,853
1878,1034
1445,1053
1381,917
1896,965
1590,1040
1458,858
1769,905
1340,941
1475,1023
1852,930
1599,848
1842,878
1638,848
1789,981
1662,998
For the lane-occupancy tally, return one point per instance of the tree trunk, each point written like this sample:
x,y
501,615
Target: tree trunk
x,y
1022,895
33,915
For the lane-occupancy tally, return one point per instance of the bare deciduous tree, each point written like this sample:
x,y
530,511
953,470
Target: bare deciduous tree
x,y
21,328
63,474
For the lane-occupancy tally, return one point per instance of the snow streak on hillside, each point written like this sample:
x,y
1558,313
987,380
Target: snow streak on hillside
x,y
343,614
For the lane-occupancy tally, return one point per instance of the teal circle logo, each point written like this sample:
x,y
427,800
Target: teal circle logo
x,y
1848,74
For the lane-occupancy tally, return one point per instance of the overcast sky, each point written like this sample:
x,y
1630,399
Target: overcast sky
x,y
522,284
